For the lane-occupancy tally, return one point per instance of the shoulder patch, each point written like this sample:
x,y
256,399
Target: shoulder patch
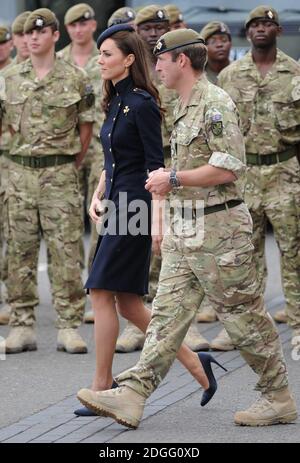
x,y
216,120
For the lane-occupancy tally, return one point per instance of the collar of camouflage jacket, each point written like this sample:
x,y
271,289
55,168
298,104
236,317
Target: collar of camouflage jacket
x,y
280,64
196,94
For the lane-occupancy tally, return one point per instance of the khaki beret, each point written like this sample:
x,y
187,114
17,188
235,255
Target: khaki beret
x,y
152,13
264,12
39,19
5,34
174,13
214,27
18,24
82,11
176,39
122,16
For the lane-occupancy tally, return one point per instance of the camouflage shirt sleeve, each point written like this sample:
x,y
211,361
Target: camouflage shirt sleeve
x,y
224,137
86,107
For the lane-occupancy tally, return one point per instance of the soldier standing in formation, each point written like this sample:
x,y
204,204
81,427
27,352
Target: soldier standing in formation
x,y
265,85
50,118
153,21
82,51
6,46
207,158
22,53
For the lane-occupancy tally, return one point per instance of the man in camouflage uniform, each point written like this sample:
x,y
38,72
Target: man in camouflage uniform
x,y
6,46
152,21
207,158
50,117
82,52
265,84
217,38
22,53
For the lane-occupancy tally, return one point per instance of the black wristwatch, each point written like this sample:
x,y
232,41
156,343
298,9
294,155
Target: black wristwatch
x,y
174,180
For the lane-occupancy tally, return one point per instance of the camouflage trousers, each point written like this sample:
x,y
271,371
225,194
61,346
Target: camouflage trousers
x,y
273,193
3,223
220,266
44,202
89,175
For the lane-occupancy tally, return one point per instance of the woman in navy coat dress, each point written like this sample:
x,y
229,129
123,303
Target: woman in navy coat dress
x,y
131,138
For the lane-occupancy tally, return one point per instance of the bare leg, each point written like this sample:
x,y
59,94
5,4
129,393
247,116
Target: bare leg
x,y
133,309
106,329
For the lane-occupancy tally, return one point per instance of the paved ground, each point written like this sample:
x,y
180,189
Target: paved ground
x,y
38,390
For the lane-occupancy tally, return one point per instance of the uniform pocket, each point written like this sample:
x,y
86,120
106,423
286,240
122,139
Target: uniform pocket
x,y
62,112
287,111
237,273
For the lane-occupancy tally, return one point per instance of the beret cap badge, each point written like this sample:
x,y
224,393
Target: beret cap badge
x,y
87,15
39,22
160,14
270,14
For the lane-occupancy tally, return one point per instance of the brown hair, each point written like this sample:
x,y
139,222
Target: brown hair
x,y
197,53
131,43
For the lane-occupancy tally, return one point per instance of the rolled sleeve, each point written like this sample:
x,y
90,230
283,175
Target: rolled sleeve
x,y
228,162
224,137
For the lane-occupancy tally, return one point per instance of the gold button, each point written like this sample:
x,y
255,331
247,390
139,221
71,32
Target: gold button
x,y
113,166
110,149
114,119
109,134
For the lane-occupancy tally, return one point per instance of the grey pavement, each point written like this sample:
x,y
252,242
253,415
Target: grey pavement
x,y
38,389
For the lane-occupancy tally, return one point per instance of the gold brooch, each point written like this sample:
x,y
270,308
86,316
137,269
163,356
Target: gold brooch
x,y
126,110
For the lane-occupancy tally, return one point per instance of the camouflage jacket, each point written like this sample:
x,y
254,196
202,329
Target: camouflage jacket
x,y
45,114
66,54
269,107
206,131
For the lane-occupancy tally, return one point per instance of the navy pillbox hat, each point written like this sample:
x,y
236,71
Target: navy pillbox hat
x,y
111,31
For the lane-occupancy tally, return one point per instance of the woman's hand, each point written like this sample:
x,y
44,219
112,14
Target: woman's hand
x,y
96,208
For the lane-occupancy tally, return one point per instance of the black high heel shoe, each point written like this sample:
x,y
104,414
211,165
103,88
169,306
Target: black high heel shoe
x,y
85,411
206,360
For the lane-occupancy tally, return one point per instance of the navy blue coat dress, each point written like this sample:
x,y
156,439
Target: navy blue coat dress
x,y
132,144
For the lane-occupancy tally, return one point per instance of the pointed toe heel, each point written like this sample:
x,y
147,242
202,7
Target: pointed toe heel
x,y
206,360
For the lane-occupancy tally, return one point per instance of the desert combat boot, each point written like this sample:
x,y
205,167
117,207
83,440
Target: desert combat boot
x,y
280,316
20,339
69,340
206,313
5,314
273,407
130,340
194,340
222,342
122,404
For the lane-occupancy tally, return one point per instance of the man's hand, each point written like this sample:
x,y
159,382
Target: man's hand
x,y
158,182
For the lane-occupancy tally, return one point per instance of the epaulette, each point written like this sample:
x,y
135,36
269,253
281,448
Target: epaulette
x,y
139,91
